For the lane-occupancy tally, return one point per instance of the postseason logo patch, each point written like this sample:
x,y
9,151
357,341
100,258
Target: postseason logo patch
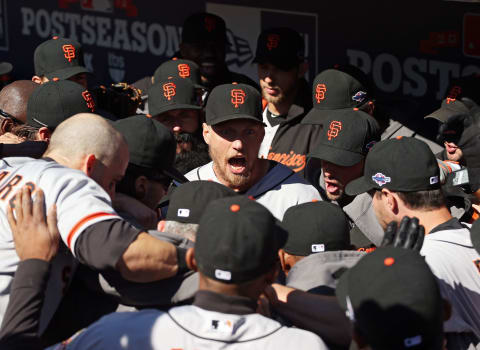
x,y
359,96
381,179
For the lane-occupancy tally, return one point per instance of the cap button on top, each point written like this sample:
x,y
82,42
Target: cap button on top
x,y
55,37
389,261
234,208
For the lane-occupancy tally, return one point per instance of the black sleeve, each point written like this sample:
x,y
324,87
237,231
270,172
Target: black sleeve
x,y
34,149
102,244
20,323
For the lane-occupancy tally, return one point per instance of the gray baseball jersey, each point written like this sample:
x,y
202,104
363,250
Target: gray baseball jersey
x,y
190,327
278,190
80,202
456,264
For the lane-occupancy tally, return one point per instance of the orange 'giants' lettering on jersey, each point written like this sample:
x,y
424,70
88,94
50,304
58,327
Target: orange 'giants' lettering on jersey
x,y
320,92
69,52
334,129
238,97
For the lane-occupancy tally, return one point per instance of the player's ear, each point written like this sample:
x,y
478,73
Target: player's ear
x,y
36,79
206,133
281,255
6,125
190,259
161,226
88,166
141,187
44,134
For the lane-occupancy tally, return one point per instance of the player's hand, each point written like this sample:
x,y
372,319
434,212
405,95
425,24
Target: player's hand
x,y
35,236
409,234
10,138
277,293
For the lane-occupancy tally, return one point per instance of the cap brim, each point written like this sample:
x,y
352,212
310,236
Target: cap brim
x,y
66,73
5,68
341,291
174,174
442,114
317,116
358,186
280,62
475,235
171,107
234,117
336,155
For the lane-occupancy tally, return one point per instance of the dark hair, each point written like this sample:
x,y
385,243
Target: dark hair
x,y
423,200
24,130
133,172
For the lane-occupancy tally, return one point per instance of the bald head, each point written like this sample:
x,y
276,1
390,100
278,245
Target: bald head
x,y
14,98
84,134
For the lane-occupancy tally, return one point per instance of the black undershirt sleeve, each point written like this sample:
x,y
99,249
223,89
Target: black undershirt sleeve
x,y
101,245
33,149
21,320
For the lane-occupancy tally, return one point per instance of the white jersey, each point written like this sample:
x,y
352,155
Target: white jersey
x,y
456,264
190,327
80,203
278,190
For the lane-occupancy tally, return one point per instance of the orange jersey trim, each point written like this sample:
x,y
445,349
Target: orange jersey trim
x,y
75,228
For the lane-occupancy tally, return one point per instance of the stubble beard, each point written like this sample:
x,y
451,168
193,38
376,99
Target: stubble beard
x,y
235,181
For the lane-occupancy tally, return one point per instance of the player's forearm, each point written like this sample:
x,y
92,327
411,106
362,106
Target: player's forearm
x,y
316,313
148,259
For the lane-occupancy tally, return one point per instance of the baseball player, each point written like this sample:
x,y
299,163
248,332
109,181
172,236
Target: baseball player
x,y
281,67
232,276
234,131
318,250
13,104
405,177
91,230
59,58
393,301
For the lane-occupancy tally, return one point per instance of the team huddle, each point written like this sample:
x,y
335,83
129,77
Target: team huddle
x,y
197,208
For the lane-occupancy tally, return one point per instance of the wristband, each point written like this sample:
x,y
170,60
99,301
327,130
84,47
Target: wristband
x,y
181,261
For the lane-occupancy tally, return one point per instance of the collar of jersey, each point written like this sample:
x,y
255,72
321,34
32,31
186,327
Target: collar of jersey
x,y
226,304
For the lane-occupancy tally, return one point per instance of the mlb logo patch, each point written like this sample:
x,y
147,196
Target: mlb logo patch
x,y
183,213
317,248
381,179
223,275
433,180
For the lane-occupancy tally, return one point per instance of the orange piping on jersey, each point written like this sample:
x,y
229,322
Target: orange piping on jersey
x,y
264,103
81,222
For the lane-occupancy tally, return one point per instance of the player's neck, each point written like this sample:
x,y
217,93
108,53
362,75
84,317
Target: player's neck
x,y
432,218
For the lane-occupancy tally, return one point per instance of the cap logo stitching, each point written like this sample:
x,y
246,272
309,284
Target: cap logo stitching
x,y
369,145
69,52
238,97
183,70
183,213
413,341
223,275
210,24
334,129
320,91
454,92
272,41
169,90
381,179
318,248
87,96
359,96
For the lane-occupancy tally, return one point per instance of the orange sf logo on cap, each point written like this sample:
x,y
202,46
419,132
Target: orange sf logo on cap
x,y
272,41
169,90
334,129
87,96
238,97
454,92
69,52
183,70
320,92
209,24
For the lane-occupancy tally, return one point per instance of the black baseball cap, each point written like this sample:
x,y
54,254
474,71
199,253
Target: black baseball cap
x,y
173,93
53,102
189,201
237,240
346,137
463,95
202,27
233,101
59,58
405,164
178,68
283,47
151,145
316,227
334,91
394,300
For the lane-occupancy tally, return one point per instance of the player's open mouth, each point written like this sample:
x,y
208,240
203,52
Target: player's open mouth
x,y
332,186
237,164
271,90
450,149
